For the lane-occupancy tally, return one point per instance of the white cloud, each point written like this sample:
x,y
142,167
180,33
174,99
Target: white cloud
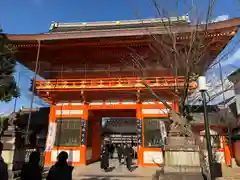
x,y
219,18
223,17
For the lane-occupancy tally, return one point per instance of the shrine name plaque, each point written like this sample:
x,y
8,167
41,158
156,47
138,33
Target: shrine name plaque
x,y
84,133
139,132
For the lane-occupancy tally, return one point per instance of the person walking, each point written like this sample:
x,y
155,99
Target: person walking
x,y
124,153
105,158
129,155
120,153
32,170
111,150
3,165
61,170
135,151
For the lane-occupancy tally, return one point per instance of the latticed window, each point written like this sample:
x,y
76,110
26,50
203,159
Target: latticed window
x,y
154,132
68,132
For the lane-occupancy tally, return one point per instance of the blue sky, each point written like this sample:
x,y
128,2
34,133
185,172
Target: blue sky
x,y
35,16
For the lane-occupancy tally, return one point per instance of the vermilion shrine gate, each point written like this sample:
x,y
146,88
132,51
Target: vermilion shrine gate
x,y
89,74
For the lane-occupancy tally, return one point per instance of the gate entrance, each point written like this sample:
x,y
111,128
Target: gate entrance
x,y
111,125
77,129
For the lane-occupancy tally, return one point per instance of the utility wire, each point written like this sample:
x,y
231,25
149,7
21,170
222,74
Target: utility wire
x,y
33,88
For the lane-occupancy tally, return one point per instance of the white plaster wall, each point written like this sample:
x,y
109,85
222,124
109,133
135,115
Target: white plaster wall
x,y
73,155
154,111
152,157
69,112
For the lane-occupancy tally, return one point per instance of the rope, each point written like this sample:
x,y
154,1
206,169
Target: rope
x,y
33,88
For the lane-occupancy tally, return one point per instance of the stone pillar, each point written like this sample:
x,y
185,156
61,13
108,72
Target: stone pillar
x,y
9,149
181,155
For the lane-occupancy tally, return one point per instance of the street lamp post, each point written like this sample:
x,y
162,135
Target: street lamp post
x,y
203,88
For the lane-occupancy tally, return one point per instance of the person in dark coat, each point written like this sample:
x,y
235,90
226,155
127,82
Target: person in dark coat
x,y
120,153
124,153
105,158
61,170
32,170
128,153
111,150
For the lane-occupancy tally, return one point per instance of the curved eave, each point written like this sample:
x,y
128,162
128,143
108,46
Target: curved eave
x,y
231,24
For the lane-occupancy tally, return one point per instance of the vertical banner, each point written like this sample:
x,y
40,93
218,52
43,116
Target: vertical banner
x,y
52,128
163,131
139,132
84,132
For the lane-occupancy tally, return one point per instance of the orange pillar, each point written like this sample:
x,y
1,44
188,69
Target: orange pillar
x,y
175,106
140,135
96,138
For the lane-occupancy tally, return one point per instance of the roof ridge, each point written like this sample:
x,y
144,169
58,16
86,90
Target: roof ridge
x,y
54,25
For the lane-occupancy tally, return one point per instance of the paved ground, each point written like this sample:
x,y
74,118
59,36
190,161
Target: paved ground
x,y
230,174
118,172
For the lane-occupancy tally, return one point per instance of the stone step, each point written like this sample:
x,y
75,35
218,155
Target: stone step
x,y
116,170
112,178
174,176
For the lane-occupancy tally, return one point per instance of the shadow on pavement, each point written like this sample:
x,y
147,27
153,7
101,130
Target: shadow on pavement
x,y
133,168
110,169
106,176
97,178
